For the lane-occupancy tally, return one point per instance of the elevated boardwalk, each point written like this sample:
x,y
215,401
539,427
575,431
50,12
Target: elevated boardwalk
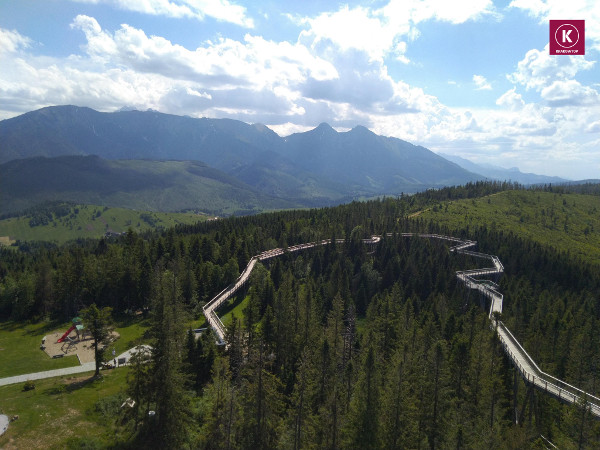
x,y
526,366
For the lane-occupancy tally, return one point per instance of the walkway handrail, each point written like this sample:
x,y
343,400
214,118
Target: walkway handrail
x,y
518,345
540,372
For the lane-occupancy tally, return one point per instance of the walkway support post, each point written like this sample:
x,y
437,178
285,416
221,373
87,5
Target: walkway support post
x,y
515,392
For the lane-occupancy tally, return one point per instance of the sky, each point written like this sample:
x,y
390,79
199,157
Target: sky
x,y
472,78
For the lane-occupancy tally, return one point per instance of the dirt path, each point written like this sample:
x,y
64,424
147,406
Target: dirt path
x,y
410,216
6,240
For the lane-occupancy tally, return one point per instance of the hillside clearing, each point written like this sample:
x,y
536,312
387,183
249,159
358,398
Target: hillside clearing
x,y
87,221
567,222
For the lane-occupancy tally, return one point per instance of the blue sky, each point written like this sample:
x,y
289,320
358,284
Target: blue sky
x,y
472,78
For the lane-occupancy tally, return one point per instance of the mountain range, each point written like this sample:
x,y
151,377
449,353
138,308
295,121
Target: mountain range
x,y
501,173
166,162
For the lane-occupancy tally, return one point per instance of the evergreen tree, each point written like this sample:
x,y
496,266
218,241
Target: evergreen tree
x,y
99,323
139,382
362,426
171,397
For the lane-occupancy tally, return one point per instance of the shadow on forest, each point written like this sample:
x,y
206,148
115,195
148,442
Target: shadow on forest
x,y
123,320
48,326
230,305
12,326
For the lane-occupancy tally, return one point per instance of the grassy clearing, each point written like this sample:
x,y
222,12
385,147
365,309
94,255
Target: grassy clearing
x,y
132,331
20,349
74,411
567,222
234,306
89,221
20,344
64,412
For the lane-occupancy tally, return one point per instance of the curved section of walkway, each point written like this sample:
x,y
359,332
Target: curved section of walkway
x,y
472,279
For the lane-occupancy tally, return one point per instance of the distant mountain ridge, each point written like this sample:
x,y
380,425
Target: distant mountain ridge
x,y
318,167
502,174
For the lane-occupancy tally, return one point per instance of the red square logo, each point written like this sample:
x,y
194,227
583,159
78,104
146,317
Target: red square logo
x,y
567,37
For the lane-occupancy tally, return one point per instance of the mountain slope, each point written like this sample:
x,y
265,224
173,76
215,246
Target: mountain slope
x,y
251,153
139,184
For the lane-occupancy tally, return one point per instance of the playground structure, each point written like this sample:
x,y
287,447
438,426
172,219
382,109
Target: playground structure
x,y
79,329
74,341
69,344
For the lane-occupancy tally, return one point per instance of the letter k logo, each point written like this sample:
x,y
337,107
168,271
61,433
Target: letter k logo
x,y
566,34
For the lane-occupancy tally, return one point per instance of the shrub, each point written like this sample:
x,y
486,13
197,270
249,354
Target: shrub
x,y
110,407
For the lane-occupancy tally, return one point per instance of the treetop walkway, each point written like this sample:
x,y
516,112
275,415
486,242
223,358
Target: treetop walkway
x,y
531,374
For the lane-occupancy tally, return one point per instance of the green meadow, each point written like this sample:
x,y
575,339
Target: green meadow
x,y
65,412
74,411
20,351
20,344
87,221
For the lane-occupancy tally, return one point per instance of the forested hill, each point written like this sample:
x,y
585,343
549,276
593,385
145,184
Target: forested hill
x,y
143,185
342,346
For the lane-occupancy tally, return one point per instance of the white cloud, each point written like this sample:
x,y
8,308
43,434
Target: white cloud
x,y
221,10
481,83
570,93
358,29
511,100
195,93
253,79
593,127
366,85
383,31
224,64
342,85
539,69
12,41
416,11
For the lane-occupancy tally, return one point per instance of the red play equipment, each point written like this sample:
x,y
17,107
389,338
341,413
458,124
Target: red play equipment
x,y
64,336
